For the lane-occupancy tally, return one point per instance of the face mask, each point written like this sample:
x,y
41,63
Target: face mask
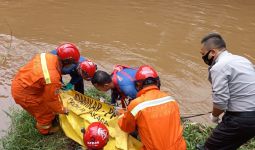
x,y
206,60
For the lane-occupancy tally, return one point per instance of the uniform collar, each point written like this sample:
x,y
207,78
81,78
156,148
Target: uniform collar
x,y
144,90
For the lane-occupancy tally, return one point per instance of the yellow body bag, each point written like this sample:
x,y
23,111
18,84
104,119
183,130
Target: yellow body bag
x,y
83,111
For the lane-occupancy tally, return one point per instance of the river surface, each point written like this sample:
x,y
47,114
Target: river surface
x,y
165,34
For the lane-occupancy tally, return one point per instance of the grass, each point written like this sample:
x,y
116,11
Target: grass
x,y
195,133
94,93
22,134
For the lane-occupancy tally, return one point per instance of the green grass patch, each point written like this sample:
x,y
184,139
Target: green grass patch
x,y
94,93
22,134
196,133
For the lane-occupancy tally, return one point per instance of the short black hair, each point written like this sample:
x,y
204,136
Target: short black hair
x,y
213,40
147,82
150,81
101,78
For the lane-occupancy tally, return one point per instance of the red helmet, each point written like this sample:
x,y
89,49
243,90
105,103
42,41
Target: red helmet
x,y
87,69
96,136
68,53
143,74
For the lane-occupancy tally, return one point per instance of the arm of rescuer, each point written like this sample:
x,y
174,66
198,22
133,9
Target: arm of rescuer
x,y
127,121
52,99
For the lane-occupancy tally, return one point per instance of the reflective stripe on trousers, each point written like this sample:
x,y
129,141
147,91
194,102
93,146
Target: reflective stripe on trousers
x,y
39,126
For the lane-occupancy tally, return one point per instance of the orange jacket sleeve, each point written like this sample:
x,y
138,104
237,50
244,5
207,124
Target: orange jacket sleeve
x,y
51,97
127,122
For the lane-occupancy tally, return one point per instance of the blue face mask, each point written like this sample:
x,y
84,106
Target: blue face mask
x,y
68,69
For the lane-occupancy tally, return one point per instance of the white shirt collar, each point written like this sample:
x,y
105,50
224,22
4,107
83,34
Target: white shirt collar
x,y
221,55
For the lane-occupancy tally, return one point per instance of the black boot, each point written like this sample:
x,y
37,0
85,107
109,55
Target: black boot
x,y
55,121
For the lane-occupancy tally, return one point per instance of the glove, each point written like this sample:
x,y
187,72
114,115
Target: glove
x,y
102,99
214,119
119,110
120,116
66,111
67,87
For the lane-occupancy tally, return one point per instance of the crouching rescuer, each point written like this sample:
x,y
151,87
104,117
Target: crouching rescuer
x,y
154,114
36,89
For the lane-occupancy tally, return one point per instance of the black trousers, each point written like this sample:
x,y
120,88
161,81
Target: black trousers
x,y
79,87
235,129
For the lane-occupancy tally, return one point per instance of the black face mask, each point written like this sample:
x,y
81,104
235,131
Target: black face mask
x,y
206,60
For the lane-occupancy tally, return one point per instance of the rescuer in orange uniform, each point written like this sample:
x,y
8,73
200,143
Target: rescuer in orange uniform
x,y
36,87
154,114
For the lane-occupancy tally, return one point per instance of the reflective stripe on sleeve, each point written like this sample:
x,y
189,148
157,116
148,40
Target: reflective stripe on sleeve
x,y
151,103
45,68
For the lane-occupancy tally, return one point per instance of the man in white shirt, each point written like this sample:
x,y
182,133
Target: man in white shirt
x,y
233,91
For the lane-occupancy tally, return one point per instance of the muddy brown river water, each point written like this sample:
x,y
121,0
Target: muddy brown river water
x,y
165,34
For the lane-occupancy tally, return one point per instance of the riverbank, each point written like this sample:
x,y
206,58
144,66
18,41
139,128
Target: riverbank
x,y
23,135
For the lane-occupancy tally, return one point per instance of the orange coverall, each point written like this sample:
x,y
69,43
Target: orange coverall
x,y
36,92
157,118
